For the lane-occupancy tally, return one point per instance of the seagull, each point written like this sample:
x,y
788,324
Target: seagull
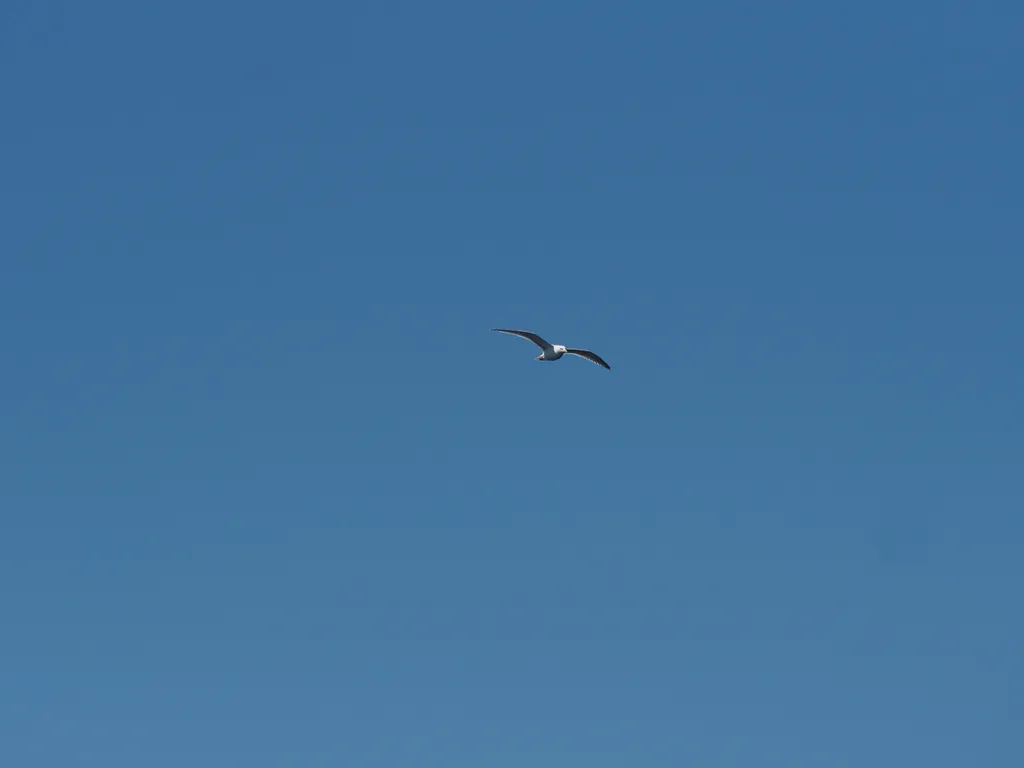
x,y
554,351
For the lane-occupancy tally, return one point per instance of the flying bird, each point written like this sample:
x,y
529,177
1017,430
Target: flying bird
x,y
554,351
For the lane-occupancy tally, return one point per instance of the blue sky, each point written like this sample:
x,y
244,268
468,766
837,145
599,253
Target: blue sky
x,y
272,494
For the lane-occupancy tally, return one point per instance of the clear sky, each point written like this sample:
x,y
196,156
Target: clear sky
x,y
272,494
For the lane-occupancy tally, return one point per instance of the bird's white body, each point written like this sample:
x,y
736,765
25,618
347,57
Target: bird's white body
x,y
554,353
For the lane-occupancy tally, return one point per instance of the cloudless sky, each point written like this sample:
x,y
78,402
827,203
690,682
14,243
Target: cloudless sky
x,y
272,494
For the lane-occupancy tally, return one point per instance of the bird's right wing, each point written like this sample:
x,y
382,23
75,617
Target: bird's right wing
x,y
588,355
526,335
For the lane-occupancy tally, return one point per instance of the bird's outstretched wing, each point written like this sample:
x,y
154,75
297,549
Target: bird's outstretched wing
x,y
585,353
526,335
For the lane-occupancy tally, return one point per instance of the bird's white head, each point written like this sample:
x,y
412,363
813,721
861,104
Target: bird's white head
x,y
559,348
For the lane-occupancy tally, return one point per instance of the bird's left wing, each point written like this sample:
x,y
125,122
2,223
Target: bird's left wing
x,y
526,335
585,353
